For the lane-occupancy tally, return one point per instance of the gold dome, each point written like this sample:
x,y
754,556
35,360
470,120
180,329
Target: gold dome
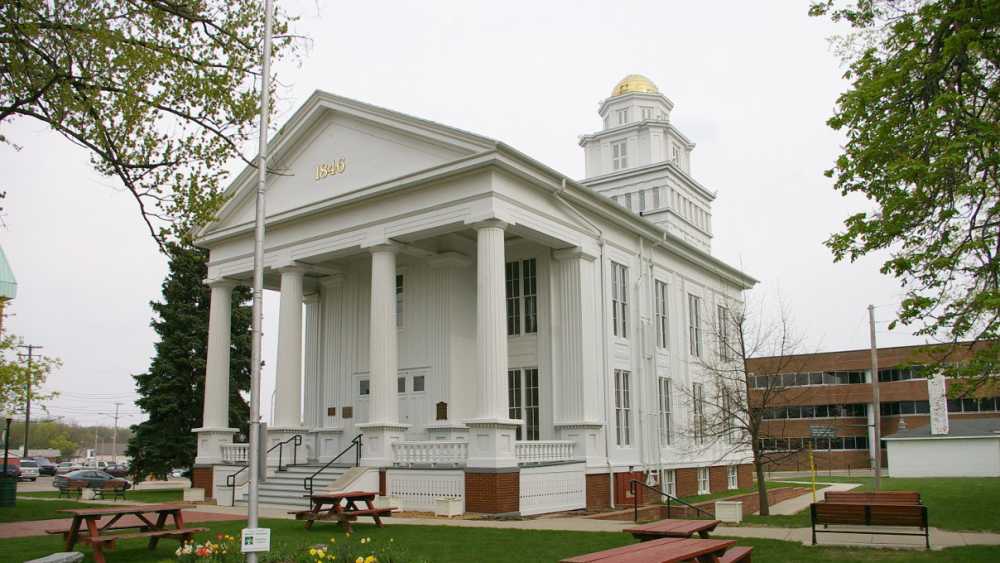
x,y
635,83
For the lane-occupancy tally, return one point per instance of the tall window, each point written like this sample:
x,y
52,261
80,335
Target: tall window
x,y
670,482
623,407
622,116
399,300
642,200
703,484
665,414
656,198
732,476
619,155
627,198
694,325
522,401
698,406
619,300
660,289
647,112
522,297
722,322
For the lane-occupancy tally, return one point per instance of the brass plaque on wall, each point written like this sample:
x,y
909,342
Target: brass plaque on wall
x,y
442,411
331,411
348,412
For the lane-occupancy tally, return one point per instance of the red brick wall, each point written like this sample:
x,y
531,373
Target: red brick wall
x,y
597,491
492,493
744,475
686,482
718,478
623,493
201,478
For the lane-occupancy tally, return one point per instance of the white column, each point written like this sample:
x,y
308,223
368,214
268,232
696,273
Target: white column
x,y
288,387
383,427
491,431
215,418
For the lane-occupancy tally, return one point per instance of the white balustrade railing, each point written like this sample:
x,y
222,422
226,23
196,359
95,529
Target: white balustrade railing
x,y
543,451
235,454
450,453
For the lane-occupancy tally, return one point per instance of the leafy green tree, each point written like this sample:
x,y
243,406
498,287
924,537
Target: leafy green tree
x,y
172,391
921,119
14,376
161,93
65,446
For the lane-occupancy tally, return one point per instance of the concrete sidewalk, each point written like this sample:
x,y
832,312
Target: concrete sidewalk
x,y
800,503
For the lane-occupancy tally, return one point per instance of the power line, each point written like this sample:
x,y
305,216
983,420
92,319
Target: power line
x,y
27,403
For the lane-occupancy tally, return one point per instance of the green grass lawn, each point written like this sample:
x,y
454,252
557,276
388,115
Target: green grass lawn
x,y
132,496
442,544
952,503
25,510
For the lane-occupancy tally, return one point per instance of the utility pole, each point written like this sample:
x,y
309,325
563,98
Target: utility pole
x,y
877,406
258,279
114,439
27,404
96,428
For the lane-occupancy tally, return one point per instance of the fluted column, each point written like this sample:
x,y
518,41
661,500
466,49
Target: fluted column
x,y
288,400
215,417
383,428
492,432
383,351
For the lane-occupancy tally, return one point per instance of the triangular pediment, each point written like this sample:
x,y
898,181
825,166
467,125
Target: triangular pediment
x,y
334,146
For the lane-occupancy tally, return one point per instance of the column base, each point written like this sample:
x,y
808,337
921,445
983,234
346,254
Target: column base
x,y
447,430
210,440
278,434
491,443
587,436
376,444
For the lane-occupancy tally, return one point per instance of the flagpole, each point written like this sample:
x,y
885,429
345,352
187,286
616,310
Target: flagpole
x,y
258,281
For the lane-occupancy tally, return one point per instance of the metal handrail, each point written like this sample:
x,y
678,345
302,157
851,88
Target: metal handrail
x,y
296,442
635,500
307,483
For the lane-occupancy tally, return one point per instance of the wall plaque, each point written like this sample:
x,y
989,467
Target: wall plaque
x,y
331,411
348,412
442,411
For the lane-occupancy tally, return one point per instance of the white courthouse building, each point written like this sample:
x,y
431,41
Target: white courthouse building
x,y
494,331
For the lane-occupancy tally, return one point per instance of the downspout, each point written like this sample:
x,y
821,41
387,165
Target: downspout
x,y
604,344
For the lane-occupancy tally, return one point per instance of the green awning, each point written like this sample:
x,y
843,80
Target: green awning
x,y
8,283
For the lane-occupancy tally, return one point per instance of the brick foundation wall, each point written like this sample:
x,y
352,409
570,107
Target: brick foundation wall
x,y
202,478
598,494
686,482
492,493
744,476
718,478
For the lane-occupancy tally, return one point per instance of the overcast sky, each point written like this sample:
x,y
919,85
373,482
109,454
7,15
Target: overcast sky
x,y
752,82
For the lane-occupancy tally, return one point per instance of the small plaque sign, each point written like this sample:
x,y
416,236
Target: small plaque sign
x,y
331,411
255,540
348,412
442,411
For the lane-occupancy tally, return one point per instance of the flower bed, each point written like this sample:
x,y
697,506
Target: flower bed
x,y
357,549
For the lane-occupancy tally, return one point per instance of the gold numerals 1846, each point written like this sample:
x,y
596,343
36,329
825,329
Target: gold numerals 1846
x,y
330,169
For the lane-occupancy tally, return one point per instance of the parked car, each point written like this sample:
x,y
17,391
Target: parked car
x,y
29,470
12,470
45,467
95,479
66,467
117,470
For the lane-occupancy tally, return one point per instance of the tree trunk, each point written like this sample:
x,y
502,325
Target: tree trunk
x,y
765,507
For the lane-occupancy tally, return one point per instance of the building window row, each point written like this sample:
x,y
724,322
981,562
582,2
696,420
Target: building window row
x,y
623,408
794,444
988,404
619,155
904,407
901,373
523,403
816,411
522,297
806,379
619,300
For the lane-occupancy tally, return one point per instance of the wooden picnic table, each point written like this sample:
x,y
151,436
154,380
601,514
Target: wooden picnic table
x,y
99,535
666,550
673,528
342,507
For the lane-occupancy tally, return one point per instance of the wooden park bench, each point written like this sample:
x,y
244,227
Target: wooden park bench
x,y
115,487
871,514
881,497
73,488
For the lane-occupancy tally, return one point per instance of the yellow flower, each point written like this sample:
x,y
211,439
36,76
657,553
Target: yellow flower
x,y
359,560
333,540
312,551
364,540
370,559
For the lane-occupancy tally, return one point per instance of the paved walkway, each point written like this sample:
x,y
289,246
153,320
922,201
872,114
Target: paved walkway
x,y
802,502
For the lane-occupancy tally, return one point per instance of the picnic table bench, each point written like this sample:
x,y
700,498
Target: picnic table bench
x,y
670,550
672,528
869,514
343,508
101,537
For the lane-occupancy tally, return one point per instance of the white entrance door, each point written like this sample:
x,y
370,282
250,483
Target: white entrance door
x,y
413,409
522,401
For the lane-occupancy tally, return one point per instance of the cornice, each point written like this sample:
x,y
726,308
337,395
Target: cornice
x,y
681,175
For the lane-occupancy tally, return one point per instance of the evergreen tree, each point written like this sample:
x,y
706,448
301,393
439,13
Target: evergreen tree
x,y
172,391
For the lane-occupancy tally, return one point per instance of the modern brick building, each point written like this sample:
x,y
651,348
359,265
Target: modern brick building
x,y
834,390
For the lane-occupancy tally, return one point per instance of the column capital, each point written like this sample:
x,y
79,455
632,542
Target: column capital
x,y
292,269
221,283
490,224
310,298
383,247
